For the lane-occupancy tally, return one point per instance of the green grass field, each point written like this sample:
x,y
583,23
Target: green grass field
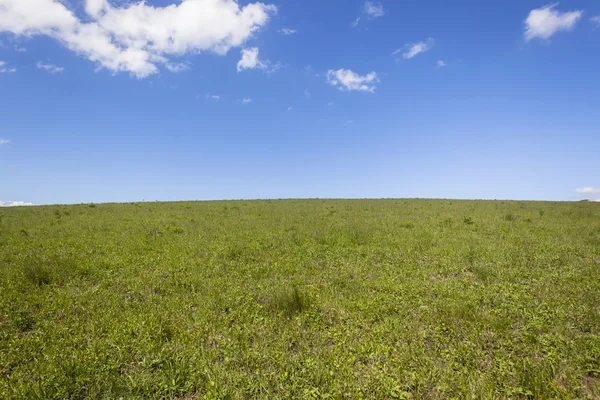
x,y
373,299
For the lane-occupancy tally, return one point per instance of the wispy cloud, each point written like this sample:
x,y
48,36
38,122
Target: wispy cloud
x,y
288,31
50,68
4,69
14,203
587,190
596,19
306,93
373,9
348,80
213,97
246,101
20,49
176,67
4,141
289,108
441,63
413,49
544,22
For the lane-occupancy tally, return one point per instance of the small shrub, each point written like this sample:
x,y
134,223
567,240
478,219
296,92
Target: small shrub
x,y
482,272
290,302
446,222
38,273
468,221
23,321
155,232
175,229
510,217
408,225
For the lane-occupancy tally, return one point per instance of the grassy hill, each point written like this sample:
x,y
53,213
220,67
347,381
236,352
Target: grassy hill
x,y
301,299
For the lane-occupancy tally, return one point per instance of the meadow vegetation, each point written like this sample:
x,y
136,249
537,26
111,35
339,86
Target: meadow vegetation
x,y
388,299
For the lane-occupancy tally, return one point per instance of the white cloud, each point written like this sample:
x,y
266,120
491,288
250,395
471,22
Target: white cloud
x,y
14,203
246,101
50,68
371,10
331,103
287,31
413,49
345,79
546,21
4,69
4,141
136,37
587,190
306,93
176,67
441,63
374,10
215,97
250,60
20,49
596,19
289,108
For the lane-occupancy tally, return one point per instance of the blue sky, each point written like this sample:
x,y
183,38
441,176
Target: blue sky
x,y
203,99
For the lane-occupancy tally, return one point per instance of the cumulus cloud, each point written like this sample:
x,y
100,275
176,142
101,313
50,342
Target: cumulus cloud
x,y
544,22
14,203
374,10
441,63
345,79
287,31
4,141
587,190
137,37
250,60
4,69
246,101
413,49
50,68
